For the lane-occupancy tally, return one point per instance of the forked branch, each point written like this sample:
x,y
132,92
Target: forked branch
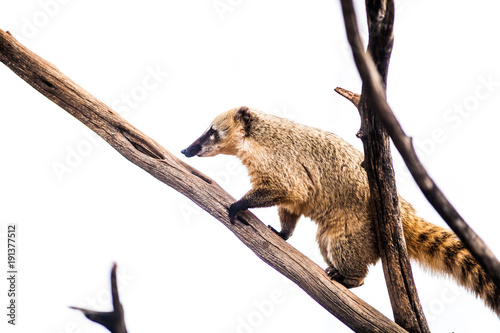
x,y
114,320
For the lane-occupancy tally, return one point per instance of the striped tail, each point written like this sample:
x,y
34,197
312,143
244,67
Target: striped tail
x,y
440,250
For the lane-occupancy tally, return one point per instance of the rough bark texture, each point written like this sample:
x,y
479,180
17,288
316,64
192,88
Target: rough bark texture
x,y
114,320
379,168
404,144
156,160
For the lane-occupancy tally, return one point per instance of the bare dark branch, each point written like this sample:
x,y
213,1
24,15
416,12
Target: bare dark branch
x,y
114,320
403,143
156,160
405,303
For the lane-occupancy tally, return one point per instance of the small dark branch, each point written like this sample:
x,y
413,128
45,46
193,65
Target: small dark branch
x,y
268,246
354,98
378,163
114,321
403,143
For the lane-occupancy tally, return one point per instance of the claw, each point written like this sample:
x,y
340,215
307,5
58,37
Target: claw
x,y
276,232
348,282
233,210
334,274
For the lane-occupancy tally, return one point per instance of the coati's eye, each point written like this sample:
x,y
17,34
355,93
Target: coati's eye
x,y
212,132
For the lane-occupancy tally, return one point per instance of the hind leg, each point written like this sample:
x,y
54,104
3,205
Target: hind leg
x,y
347,257
344,267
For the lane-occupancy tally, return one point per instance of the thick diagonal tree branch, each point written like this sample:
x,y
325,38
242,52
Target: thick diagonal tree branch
x,y
114,320
371,78
405,303
156,160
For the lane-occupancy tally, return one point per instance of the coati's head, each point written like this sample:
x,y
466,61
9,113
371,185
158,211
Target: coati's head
x,y
225,135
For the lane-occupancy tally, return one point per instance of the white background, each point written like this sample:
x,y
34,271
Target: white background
x,y
182,271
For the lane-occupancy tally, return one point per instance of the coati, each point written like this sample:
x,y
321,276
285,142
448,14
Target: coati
x,y
308,171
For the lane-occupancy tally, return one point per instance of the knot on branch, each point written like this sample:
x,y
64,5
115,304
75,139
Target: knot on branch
x,y
141,145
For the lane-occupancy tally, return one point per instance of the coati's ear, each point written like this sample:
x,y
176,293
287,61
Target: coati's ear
x,y
243,114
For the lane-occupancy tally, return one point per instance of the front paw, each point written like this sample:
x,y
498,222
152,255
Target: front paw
x,y
233,211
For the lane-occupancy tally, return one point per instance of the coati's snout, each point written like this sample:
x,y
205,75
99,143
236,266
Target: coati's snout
x,y
207,144
224,136
200,146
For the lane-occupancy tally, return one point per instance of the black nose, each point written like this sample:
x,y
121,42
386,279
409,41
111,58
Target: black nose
x,y
191,150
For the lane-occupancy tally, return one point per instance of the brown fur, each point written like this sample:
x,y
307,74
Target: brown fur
x,y
310,172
